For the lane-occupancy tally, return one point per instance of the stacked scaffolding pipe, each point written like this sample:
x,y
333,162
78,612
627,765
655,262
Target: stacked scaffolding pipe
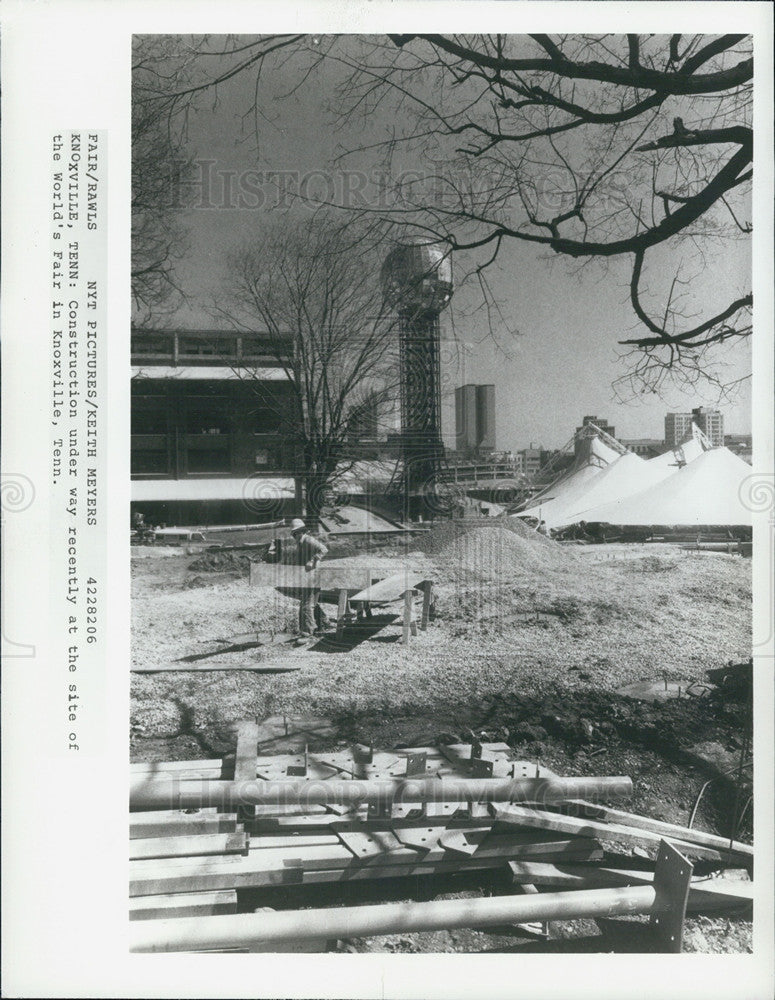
x,y
266,929
166,793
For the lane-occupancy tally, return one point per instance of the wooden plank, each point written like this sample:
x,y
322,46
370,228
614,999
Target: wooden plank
x,y
292,810
203,666
181,824
336,855
685,833
427,599
574,875
341,611
247,751
197,844
183,904
556,822
724,890
173,878
450,758
324,577
167,767
192,773
392,588
704,893
407,625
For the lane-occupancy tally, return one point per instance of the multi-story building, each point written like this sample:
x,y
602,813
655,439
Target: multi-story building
x,y
475,419
212,435
678,426
210,418
531,460
711,423
645,447
600,422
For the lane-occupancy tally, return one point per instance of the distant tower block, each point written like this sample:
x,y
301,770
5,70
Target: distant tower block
x,y
417,282
475,419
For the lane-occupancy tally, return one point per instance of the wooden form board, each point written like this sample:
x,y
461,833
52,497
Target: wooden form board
x,y
180,824
520,816
704,893
300,876
246,752
183,904
194,844
667,830
202,666
324,577
450,760
281,866
392,588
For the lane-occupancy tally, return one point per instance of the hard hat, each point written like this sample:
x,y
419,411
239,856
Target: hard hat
x,y
297,524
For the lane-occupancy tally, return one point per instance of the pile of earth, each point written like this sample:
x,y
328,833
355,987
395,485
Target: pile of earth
x,y
217,561
480,551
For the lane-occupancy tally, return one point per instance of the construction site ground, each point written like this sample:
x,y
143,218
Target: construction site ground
x,y
531,643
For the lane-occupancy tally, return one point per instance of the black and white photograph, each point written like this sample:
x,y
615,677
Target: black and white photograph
x,y
426,657
388,499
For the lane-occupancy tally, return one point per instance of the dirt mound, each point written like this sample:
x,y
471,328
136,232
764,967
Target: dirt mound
x,y
494,551
220,562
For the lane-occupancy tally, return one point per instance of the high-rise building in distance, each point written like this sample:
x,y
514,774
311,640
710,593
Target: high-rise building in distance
x,y
599,422
475,418
678,426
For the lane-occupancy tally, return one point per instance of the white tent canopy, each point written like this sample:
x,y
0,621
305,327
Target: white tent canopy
x,y
595,458
689,485
708,490
629,474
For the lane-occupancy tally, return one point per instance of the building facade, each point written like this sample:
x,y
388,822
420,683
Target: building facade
x,y
532,460
600,422
678,426
210,428
645,447
475,419
711,423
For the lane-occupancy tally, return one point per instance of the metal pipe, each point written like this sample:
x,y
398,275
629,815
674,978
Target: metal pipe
x,y
259,930
175,793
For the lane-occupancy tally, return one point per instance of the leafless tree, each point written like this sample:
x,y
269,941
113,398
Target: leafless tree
x,y
627,153
594,148
169,74
311,290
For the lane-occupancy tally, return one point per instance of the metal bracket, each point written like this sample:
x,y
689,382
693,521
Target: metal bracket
x,y
457,842
299,770
481,767
381,810
672,880
416,763
422,838
374,844
362,754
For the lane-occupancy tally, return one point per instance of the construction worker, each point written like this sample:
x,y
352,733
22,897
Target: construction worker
x,y
309,552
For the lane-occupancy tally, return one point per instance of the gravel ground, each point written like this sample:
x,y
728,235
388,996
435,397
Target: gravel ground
x,y
601,624
530,643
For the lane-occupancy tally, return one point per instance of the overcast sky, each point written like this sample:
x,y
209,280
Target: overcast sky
x,y
564,359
